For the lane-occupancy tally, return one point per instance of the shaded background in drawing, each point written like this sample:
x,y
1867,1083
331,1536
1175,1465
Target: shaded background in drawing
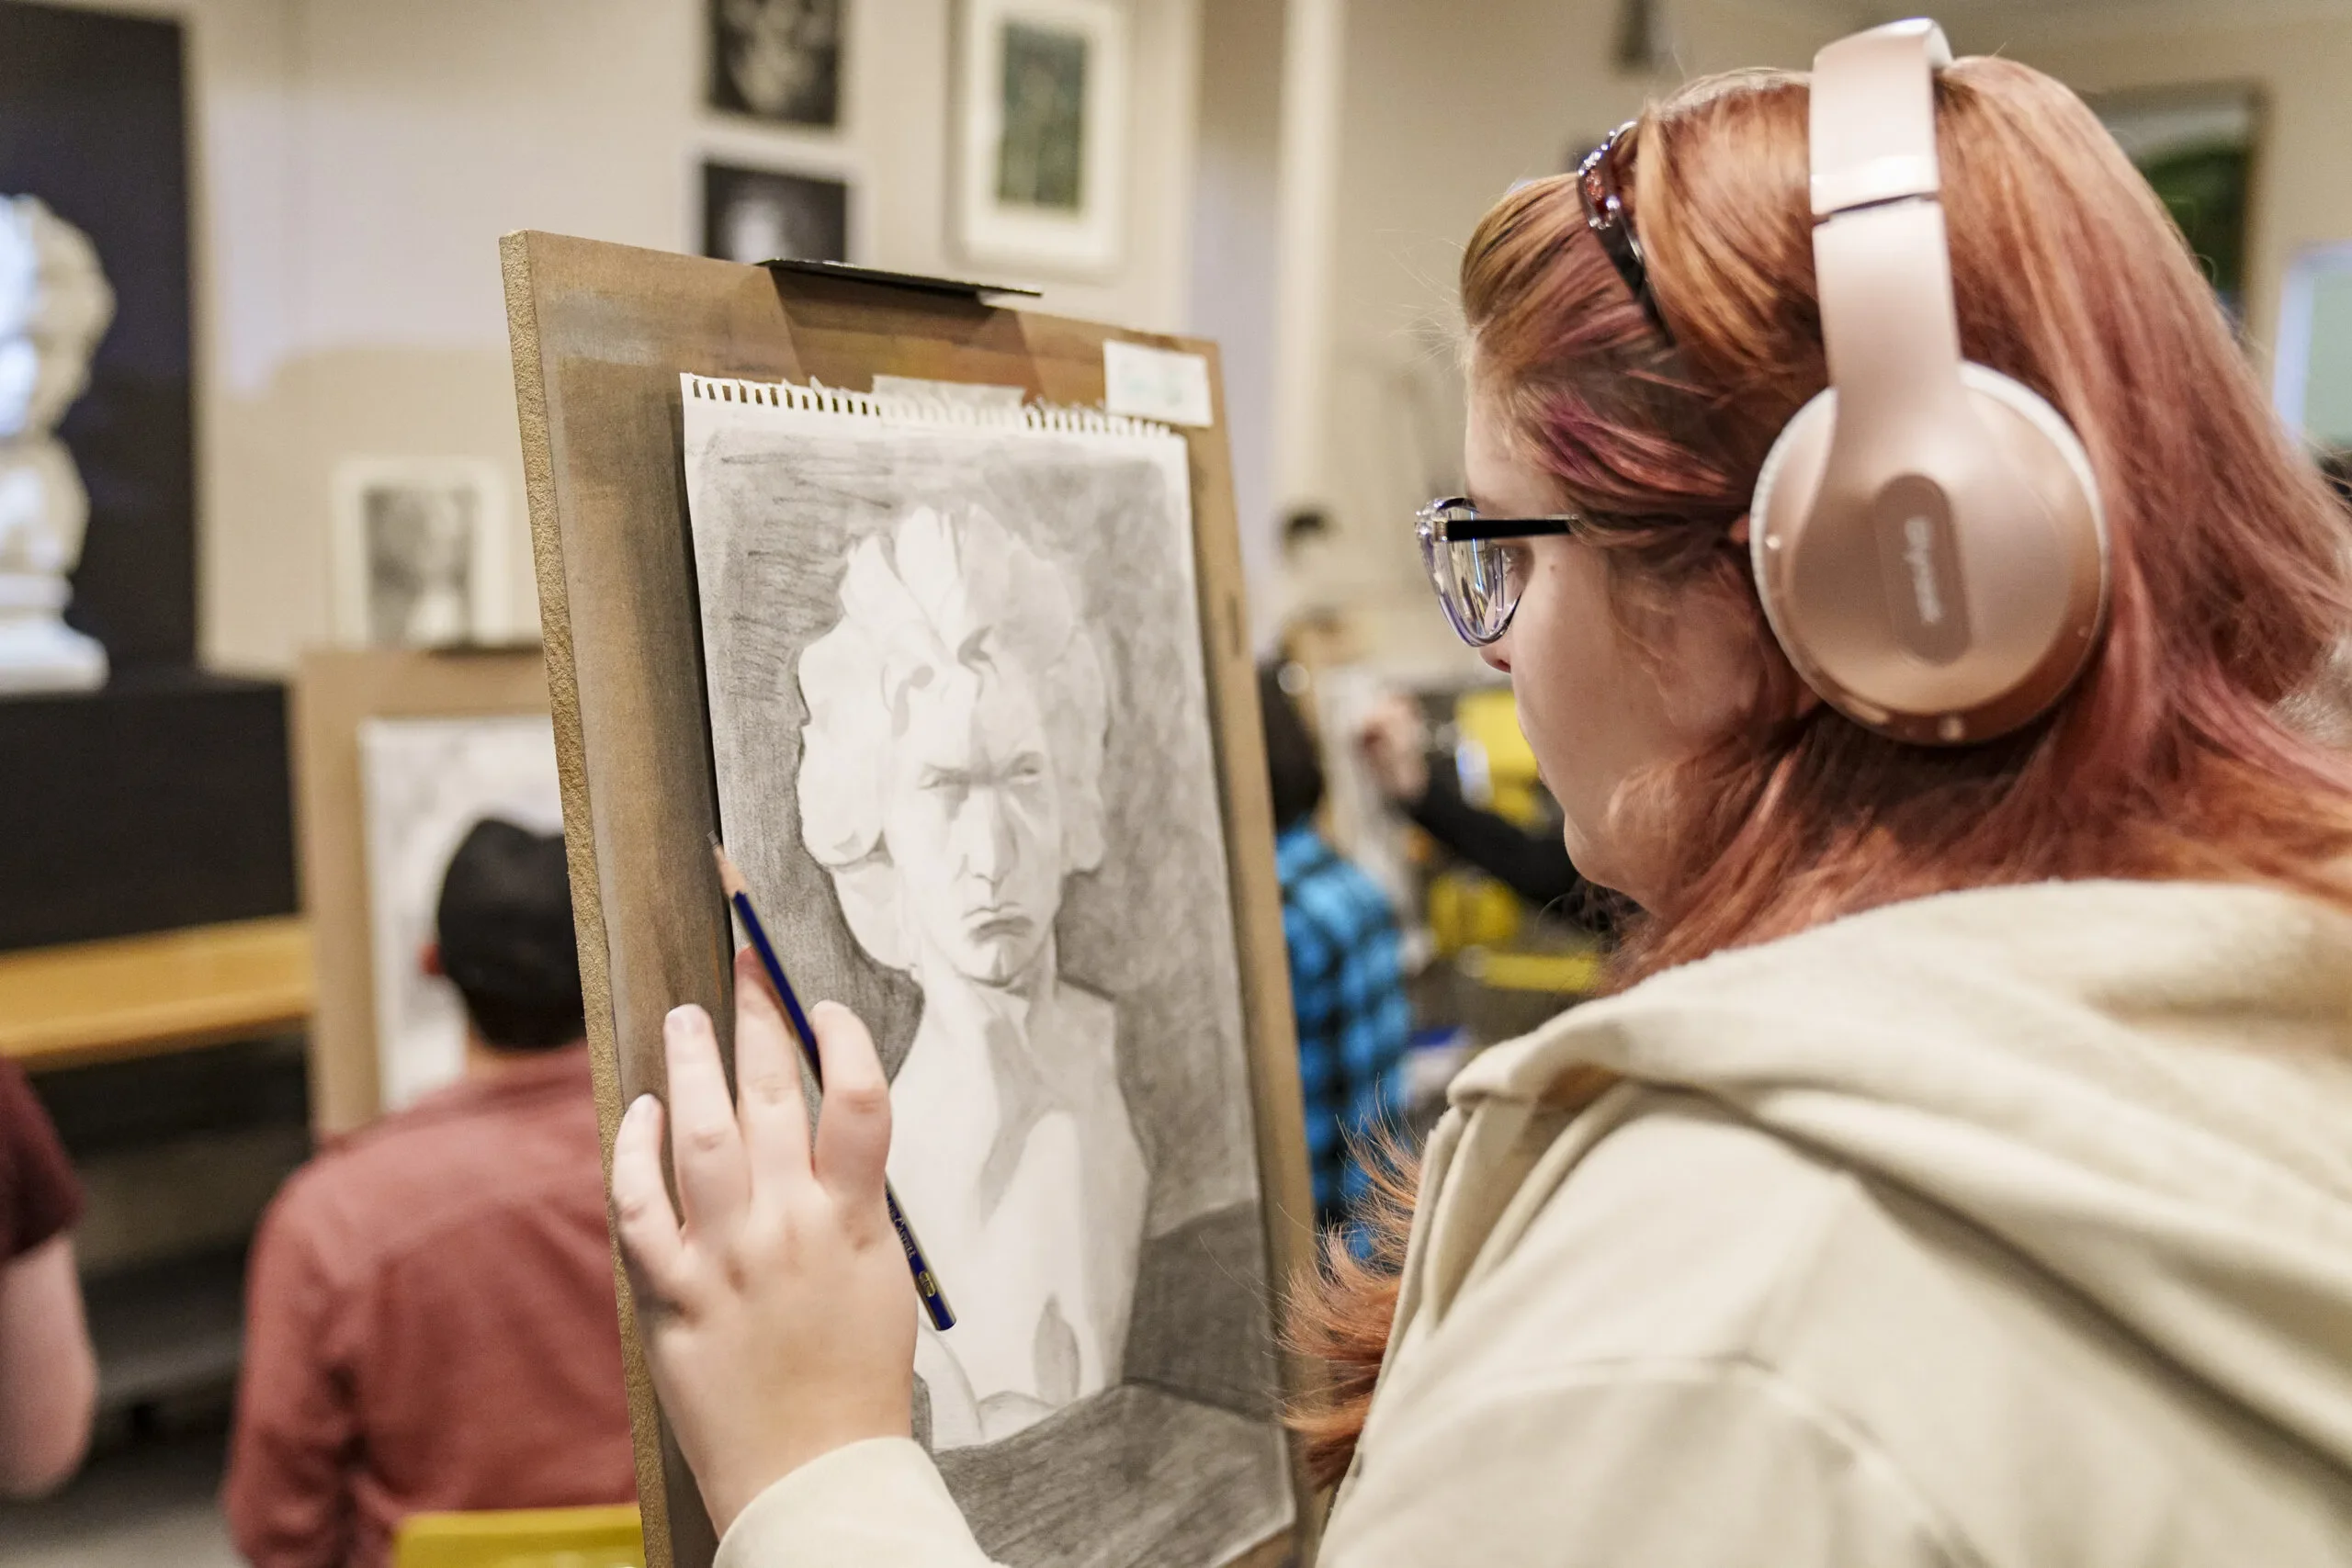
x,y
777,500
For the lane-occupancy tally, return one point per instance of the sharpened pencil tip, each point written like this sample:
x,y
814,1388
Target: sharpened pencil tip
x,y
728,877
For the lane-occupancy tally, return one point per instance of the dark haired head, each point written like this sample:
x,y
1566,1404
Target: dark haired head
x,y
505,927
1290,762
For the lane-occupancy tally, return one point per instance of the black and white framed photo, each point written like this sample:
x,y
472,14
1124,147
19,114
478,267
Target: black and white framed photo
x,y
1042,94
757,215
777,60
421,552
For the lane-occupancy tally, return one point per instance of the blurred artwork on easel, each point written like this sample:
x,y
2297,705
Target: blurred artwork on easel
x,y
424,784
398,752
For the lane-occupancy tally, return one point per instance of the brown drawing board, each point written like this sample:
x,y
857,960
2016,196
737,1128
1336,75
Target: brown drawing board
x,y
601,334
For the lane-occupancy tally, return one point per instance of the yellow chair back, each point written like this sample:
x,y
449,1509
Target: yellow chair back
x,y
523,1538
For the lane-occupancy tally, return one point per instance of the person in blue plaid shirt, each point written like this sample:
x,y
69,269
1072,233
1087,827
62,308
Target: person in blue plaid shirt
x,y
1346,980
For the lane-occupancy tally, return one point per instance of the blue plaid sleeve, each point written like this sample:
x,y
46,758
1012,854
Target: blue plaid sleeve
x,y
1321,1072
1354,1023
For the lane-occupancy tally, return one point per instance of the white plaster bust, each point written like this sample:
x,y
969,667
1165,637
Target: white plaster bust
x,y
54,306
951,781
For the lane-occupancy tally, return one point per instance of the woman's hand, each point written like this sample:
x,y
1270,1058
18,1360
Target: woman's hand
x,y
1396,742
780,1319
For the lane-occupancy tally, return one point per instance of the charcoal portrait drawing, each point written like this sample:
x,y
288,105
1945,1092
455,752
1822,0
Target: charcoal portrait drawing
x,y
960,727
950,780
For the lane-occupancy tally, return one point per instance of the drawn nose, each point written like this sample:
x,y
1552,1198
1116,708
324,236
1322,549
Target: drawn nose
x,y
990,853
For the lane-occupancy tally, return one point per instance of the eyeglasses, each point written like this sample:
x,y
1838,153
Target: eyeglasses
x,y
1601,186
1472,568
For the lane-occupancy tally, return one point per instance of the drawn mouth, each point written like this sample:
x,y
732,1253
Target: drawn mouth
x,y
990,925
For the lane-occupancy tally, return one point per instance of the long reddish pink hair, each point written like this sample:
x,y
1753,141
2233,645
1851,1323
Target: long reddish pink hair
x,y
2167,759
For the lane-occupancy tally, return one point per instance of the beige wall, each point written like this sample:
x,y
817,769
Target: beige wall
x,y
1235,228
1442,113
358,159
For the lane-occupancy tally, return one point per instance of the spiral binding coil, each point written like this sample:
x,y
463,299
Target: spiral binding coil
x,y
1048,419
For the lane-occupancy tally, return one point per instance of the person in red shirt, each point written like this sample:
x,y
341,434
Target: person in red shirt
x,y
49,1378
430,1320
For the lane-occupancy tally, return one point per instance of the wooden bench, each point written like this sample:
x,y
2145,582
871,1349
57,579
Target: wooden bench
x,y
144,995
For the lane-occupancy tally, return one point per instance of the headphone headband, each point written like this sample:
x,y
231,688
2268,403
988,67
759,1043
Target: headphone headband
x,y
1872,129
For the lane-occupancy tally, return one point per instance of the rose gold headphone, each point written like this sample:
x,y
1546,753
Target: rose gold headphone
x,y
1926,533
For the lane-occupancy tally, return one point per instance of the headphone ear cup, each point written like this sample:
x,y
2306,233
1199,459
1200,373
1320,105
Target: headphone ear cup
x,y
2024,581
1786,488
2037,410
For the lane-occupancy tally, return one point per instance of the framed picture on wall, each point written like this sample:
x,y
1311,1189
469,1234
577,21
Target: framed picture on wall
x,y
421,552
757,215
2198,147
1042,94
777,60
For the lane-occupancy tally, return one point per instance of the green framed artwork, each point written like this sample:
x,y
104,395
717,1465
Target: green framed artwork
x,y
2199,147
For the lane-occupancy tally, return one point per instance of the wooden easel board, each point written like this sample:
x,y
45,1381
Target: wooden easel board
x,y
600,336
336,690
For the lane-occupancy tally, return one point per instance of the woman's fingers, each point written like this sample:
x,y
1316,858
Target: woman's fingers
x,y
642,1203
767,1079
714,1184
854,1127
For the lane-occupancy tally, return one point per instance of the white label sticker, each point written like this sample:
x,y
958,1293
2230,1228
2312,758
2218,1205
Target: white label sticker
x,y
1155,383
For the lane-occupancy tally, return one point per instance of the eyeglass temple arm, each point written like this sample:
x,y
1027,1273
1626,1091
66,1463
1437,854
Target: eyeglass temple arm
x,y
1478,528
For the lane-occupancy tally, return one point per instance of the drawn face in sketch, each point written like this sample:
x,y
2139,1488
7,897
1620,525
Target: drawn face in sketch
x,y
951,775
974,819
951,781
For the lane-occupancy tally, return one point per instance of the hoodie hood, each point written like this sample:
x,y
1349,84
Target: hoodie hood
x,y
2145,1089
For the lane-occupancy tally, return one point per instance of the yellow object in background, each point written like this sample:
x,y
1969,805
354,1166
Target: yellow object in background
x,y
1549,974
1488,720
1467,909
523,1538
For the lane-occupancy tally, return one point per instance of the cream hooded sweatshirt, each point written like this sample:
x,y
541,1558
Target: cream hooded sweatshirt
x,y
2003,1228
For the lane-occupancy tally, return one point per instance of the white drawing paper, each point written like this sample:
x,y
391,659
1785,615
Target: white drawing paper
x,y
961,729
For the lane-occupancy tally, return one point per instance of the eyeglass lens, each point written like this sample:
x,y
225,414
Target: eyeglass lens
x,y
1472,579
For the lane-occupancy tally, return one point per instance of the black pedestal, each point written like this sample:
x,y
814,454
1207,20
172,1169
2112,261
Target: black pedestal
x,y
160,801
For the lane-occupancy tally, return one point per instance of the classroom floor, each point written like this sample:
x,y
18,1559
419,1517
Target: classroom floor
x,y
147,1504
